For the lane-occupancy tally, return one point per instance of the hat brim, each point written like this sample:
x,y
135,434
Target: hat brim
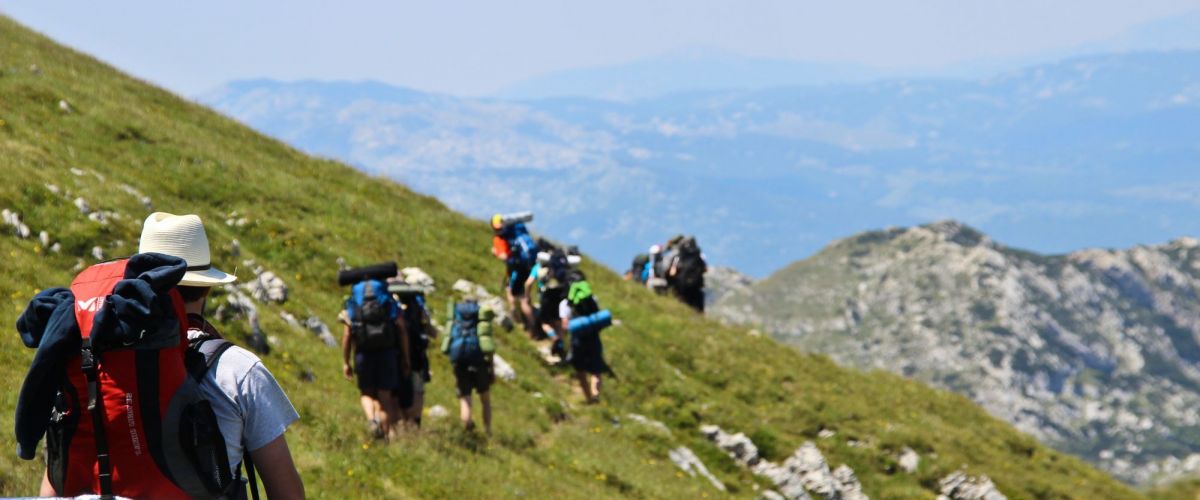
x,y
207,278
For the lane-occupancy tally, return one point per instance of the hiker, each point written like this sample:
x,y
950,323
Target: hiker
x,y
656,271
587,351
686,274
224,408
420,333
470,345
548,277
374,332
513,244
639,269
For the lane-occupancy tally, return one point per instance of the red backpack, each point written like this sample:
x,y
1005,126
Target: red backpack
x,y
129,419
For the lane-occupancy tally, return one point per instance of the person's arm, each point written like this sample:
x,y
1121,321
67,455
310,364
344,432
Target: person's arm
x,y
274,465
347,343
47,490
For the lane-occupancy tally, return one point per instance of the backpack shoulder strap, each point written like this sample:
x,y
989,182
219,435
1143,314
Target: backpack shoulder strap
x,y
205,354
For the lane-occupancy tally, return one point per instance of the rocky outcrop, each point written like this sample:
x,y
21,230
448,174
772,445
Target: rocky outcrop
x,y
802,474
1096,352
720,282
686,460
960,486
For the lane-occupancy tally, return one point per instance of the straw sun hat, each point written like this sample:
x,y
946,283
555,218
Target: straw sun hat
x,y
183,236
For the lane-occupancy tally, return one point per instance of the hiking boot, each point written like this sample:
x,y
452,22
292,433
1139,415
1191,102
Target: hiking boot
x,y
375,428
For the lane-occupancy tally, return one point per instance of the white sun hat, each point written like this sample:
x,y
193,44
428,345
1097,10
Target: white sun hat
x,y
183,236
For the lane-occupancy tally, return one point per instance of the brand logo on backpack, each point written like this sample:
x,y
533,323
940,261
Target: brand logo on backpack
x,y
90,305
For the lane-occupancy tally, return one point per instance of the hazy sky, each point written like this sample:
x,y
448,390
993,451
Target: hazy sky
x,y
479,47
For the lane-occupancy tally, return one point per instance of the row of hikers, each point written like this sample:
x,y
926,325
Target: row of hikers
x,y
677,267
387,329
138,395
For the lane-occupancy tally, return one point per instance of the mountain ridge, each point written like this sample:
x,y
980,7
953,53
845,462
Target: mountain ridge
x,y
1091,351
1037,157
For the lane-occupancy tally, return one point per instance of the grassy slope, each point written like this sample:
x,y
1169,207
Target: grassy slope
x,y
674,366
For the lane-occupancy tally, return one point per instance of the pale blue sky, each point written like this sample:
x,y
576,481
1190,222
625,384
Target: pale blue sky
x,y
479,47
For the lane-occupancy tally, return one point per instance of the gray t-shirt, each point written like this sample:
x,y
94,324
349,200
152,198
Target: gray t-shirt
x,y
249,404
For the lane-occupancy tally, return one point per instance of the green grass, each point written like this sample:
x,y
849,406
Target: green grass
x,y
673,365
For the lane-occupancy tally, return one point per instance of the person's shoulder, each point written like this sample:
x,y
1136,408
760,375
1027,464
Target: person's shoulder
x,y
238,358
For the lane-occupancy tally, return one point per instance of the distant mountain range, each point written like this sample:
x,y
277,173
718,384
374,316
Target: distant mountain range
x,y
1094,352
1096,151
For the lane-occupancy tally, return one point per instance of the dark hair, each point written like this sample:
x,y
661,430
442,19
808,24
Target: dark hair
x,y
192,293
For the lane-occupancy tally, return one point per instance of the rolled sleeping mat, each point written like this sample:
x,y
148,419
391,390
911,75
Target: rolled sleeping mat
x,y
592,322
381,271
405,289
513,218
574,260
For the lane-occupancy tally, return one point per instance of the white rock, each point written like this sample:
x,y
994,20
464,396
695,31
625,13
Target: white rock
x,y
960,486
416,276
267,287
322,331
909,460
649,422
438,411
83,206
77,172
44,238
290,319
99,217
98,253
502,369
685,459
53,189
64,106
826,434
56,248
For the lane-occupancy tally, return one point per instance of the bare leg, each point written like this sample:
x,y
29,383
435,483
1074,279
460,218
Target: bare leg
x,y
595,382
388,402
464,410
485,400
527,315
584,384
369,405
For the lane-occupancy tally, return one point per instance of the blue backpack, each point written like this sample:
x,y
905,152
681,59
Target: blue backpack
x,y
372,313
522,249
464,335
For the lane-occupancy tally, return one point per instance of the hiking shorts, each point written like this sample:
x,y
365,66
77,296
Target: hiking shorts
x,y
516,280
377,370
476,378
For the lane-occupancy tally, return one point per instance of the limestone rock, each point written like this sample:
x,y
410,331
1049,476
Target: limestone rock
x,y
438,411
909,460
685,459
64,106
502,369
315,325
960,486
267,287
98,253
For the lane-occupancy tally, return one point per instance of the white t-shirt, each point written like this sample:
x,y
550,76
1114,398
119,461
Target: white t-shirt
x,y
249,404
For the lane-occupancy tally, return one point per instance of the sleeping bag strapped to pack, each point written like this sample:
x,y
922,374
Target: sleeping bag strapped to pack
x,y
689,267
128,418
470,339
372,313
